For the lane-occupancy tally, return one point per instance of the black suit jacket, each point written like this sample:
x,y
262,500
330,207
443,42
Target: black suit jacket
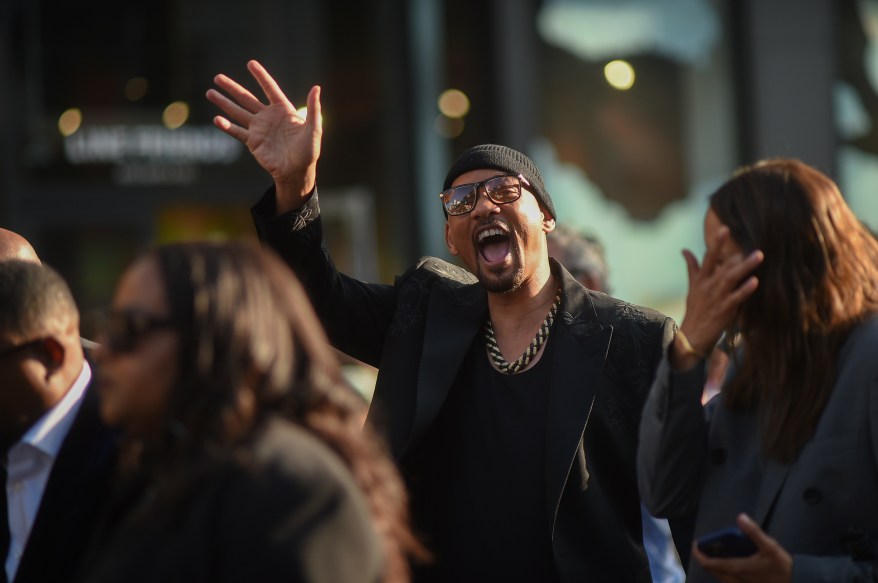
x,y
280,506
418,331
77,487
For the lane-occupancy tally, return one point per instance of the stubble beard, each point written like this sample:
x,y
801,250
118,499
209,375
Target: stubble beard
x,y
507,280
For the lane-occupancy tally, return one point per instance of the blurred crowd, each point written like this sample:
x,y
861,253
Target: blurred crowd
x,y
525,424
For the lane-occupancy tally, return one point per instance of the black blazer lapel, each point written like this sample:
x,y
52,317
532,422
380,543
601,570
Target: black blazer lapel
x,y
454,317
578,360
77,485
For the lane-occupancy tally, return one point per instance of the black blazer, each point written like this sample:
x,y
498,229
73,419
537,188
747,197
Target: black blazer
x,y
78,485
281,506
418,331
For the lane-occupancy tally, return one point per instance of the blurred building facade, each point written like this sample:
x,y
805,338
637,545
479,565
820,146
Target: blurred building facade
x,y
635,110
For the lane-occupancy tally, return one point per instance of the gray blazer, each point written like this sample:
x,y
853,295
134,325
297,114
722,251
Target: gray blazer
x,y
822,508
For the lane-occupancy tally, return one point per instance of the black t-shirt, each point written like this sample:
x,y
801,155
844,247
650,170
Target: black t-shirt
x,y
478,481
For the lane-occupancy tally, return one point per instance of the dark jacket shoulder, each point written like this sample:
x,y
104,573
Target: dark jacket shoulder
x,y
437,270
624,314
640,336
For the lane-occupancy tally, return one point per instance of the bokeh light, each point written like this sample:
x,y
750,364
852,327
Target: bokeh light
x,y
303,113
69,122
448,127
619,74
136,89
175,115
454,103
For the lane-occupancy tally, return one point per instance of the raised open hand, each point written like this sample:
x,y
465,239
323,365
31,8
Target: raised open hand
x,y
283,143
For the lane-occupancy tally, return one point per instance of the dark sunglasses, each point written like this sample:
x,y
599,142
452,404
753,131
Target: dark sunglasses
x,y
21,347
499,189
125,329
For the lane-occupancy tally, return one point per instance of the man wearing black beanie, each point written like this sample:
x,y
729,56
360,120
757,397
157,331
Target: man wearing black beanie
x,y
510,394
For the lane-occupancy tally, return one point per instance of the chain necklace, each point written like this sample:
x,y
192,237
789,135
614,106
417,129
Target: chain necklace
x,y
532,350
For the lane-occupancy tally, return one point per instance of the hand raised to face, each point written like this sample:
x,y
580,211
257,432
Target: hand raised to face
x,y
284,143
717,288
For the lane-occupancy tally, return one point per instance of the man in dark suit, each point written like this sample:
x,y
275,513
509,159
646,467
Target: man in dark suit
x,y
57,455
520,468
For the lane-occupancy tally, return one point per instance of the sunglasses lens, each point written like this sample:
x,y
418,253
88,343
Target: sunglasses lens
x,y
121,334
125,329
460,200
503,189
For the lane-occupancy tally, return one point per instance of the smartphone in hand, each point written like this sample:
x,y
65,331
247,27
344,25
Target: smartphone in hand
x,y
726,543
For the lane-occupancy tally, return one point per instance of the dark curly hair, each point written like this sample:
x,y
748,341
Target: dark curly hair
x,y
250,346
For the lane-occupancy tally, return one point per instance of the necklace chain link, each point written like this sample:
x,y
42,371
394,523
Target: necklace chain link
x,y
525,359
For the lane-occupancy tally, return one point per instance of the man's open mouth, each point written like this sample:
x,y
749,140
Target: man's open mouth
x,y
493,244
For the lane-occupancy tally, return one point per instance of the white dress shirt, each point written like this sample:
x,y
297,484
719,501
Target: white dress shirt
x,y
29,463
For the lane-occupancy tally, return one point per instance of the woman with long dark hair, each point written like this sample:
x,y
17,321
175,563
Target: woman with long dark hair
x,y
788,451
245,458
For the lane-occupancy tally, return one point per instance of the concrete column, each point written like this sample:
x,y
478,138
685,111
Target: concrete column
x,y
515,50
787,66
431,159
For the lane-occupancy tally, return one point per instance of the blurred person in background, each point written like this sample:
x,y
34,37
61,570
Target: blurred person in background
x,y
787,451
244,458
14,246
58,456
582,255
521,468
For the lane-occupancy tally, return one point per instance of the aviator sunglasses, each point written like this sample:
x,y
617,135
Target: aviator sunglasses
x,y
125,329
499,189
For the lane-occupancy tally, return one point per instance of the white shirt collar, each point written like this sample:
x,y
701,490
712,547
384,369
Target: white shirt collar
x,y
48,433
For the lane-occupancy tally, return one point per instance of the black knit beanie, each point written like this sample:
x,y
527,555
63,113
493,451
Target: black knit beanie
x,y
505,159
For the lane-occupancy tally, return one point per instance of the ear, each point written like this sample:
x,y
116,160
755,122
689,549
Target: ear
x,y
548,224
53,354
451,246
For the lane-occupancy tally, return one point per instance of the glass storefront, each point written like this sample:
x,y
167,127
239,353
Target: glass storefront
x,y
856,105
638,125
632,108
109,144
